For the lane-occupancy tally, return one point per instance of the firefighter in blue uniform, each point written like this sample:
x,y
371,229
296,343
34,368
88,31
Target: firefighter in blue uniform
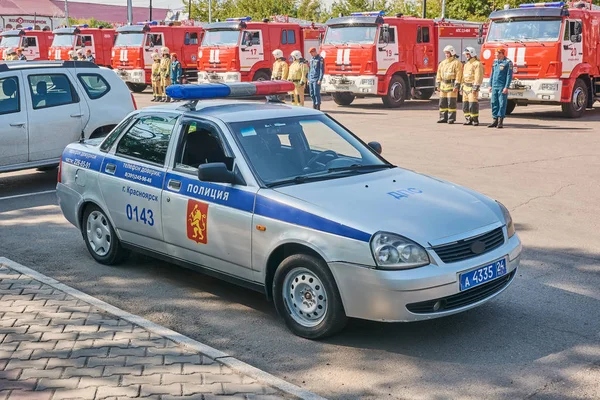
x,y
500,79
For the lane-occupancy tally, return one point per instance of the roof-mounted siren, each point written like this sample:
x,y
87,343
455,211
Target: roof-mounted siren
x,y
553,4
241,20
29,28
206,91
377,14
81,26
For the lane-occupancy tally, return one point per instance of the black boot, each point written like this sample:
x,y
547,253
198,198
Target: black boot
x,y
501,123
475,121
153,99
493,124
319,107
468,121
442,121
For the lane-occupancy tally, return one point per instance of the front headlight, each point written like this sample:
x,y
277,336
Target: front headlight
x,y
510,226
396,252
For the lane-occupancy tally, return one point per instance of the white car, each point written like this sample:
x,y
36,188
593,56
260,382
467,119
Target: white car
x,y
45,105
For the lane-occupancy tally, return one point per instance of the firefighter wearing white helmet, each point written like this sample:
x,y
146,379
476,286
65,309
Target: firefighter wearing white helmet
x,y
157,90
280,66
165,74
72,55
10,54
80,55
447,82
298,75
472,79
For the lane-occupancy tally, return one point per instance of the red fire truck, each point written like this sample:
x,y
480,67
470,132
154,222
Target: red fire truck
x,y
99,40
35,44
239,50
395,58
132,53
553,47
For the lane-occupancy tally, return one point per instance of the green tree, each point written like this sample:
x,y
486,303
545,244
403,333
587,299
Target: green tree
x,y
309,10
345,7
415,8
259,9
91,22
221,9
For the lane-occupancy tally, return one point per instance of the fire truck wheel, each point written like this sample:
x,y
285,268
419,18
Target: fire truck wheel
x,y
396,92
423,94
343,98
136,87
510,106
261,76
576,107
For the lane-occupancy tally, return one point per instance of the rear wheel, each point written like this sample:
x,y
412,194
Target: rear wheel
x,y
307,297
579,98
261,76
510,106
100,237
137,87
396,92
423,94
343,98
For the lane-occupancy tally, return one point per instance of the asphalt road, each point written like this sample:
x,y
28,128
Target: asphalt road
x,y
539,340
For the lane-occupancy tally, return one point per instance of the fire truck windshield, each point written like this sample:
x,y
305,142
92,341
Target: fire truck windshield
x,y
10,41
350,35
521,30
221,37
63,40
129,39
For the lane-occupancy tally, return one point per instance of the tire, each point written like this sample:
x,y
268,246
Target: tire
x,y
423,94
137,87
261,76
105,246
343,98
510,106
579,98
396,93
322,314
48,168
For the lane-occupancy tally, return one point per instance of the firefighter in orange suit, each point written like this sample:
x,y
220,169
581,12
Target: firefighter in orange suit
x,y
280,66
298,75
447,82
157,89
472,79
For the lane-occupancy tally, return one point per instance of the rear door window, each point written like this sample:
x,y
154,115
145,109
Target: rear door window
x,y
95,85
9,95
51,90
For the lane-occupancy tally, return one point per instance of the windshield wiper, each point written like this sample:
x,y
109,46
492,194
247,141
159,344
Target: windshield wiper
x,y
300,179
536,40
360,167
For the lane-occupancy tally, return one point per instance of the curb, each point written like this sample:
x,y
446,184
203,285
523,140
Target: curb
x,y
219,356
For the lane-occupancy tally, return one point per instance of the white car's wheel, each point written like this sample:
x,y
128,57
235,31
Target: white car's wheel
x,y
100,237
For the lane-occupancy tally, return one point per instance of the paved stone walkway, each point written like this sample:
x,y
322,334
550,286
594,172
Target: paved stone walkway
x,y
54,347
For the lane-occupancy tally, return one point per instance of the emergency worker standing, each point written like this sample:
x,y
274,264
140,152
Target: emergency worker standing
x,y
20,55
280,67
10,54
448,80
157,90
472,79
176,71
500,79
298,75
72,55
89,57
165,73
315,76
80,55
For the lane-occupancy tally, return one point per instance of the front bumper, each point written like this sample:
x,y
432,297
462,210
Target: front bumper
x,y
132,75
380,295
362,84
219,77
532,90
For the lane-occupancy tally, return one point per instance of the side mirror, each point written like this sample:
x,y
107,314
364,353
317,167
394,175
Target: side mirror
x,y
575,38
376,146
479,40
216,172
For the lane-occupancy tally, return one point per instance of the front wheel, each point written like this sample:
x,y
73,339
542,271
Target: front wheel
x,y
100,237
306,296
136,87
579,98
423,94
261,76
396,93
343,98
510,106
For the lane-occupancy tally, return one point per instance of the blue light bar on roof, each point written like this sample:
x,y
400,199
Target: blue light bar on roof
x,y
204,91
29,28
239,19
368,14
82,26
148,23
557,4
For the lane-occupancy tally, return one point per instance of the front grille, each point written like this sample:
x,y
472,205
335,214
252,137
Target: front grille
x,y
462,299
462,250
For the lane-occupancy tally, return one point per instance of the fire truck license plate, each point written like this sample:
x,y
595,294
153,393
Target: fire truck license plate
x,y
516,93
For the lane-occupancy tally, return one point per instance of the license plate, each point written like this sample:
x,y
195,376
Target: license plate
x,y
481,275
342,87
516,93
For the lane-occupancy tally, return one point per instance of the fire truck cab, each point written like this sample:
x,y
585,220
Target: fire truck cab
x,y
395,58
239,50
35,44
135,44
98,40
553,47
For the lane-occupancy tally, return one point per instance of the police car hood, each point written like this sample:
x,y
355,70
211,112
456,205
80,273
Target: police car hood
x,y
421,208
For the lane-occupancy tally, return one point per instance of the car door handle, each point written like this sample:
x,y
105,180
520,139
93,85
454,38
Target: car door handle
x,y
18,124
110,168
174,185
76,115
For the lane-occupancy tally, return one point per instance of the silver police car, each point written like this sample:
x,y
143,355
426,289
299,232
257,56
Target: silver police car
x,y
287,201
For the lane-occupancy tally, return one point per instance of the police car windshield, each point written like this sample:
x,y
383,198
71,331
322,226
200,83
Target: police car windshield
x,y
10,41
524,30
221,37
130,40
350,35
300,149
63,40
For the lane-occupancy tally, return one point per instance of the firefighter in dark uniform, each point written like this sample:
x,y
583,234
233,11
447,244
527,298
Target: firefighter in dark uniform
x,y
500,79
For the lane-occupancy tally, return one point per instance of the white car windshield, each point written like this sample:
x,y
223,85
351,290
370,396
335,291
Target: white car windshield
x,y
350,35
300,149
63,40
221,37
524,30
127,39
10,41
